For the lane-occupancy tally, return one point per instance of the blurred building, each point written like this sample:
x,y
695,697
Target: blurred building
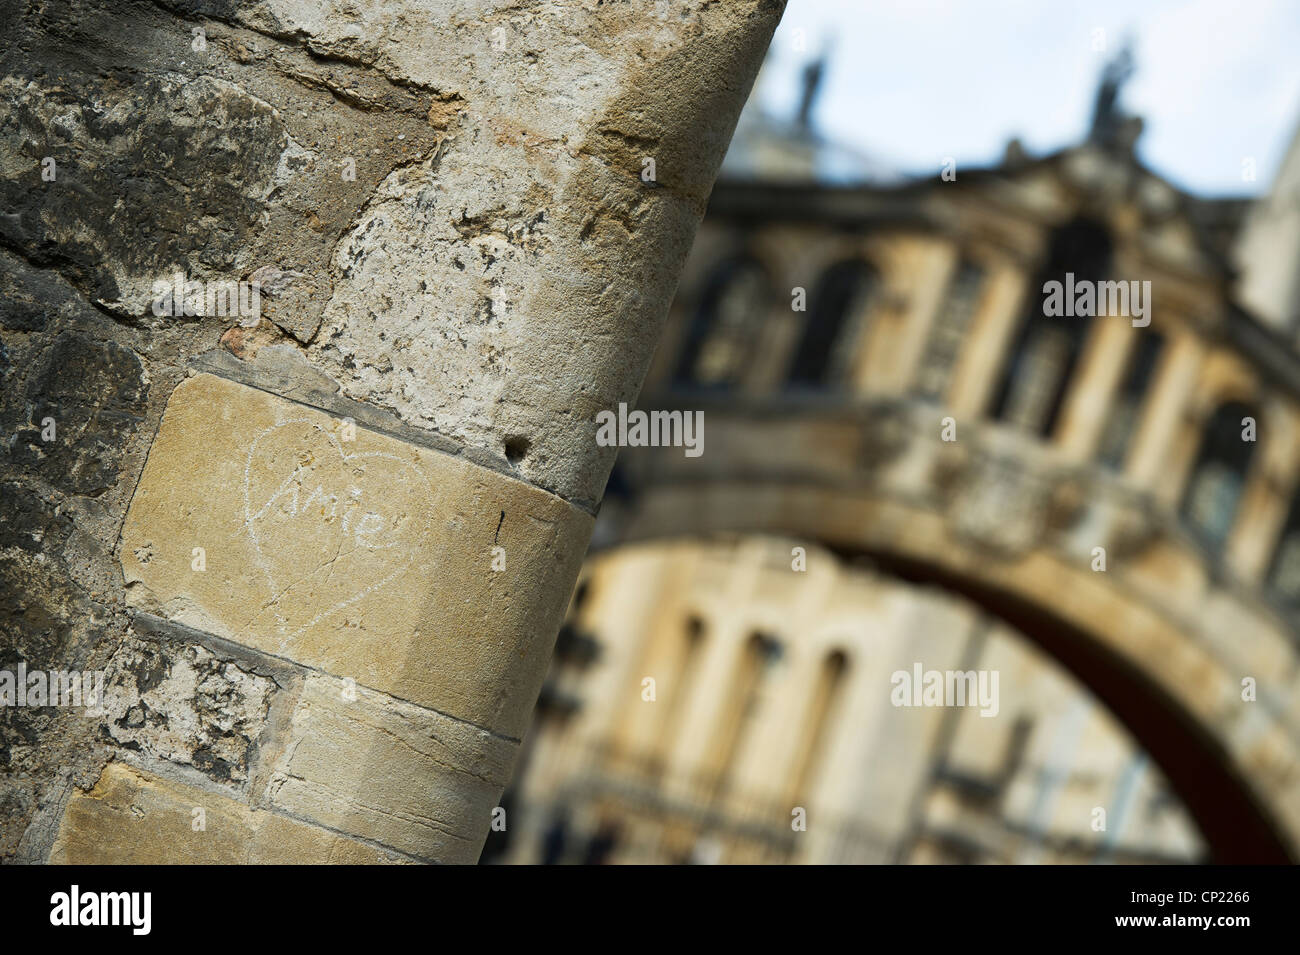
x,y
709,693
771,694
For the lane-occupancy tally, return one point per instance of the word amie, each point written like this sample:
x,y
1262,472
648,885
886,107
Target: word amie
x,y
193,298
103,908
51,688
658,429
946,688
1085,299
325,504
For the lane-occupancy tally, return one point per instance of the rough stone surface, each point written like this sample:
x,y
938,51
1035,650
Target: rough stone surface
x,y
61,507
504,185
435,314
370,559
406,777
95,390
527,211
293,147
217,162
186,706
131,817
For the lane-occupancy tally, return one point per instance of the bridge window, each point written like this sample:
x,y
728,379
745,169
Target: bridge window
x,y
949,331
836,308
1284,575
816,730
678,691
1123,420
720,342
1219,477
1046,348
760,653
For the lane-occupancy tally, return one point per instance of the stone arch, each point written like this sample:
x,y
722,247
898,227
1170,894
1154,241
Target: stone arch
x,y
1158,636
818,717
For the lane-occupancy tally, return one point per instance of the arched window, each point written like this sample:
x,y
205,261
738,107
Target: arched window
x,y
739,705
950,327
1123,419
1046,348
719,344
835,306
817,724
1210,503
684,667
1284,574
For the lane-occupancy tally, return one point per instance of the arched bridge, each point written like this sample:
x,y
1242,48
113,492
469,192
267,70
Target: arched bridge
x,y
889,372
1165,639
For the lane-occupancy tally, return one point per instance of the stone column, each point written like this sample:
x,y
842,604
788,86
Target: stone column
x,y
313,310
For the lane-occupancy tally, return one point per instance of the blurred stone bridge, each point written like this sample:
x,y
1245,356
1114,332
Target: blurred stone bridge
x,y
877,376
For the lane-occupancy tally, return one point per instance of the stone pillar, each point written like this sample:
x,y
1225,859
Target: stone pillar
x,y
320,538
992,329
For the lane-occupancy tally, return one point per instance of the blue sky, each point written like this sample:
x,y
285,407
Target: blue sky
x,y
913,81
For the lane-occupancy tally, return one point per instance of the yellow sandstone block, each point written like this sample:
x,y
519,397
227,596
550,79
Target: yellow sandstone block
x,y
135,818
409,570
362,763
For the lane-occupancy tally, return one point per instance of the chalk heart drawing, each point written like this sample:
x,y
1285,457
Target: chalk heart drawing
x,y
328,528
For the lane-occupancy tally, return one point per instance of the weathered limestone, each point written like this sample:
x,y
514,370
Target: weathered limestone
x,y
351,552
132,817
188,707
466,224
1267,250
449,275
402,776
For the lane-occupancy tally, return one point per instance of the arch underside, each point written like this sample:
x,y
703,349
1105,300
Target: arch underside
x,y
1174,691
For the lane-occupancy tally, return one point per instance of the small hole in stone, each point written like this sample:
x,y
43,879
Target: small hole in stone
x,y
516,448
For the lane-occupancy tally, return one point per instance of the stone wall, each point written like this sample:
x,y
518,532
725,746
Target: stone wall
x,y
320,551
